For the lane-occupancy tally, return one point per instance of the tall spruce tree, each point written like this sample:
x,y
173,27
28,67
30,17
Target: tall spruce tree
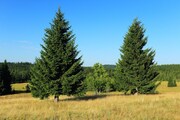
x,y
59,69
5,79
135,71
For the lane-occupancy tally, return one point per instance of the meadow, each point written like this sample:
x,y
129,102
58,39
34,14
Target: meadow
x,y
109,106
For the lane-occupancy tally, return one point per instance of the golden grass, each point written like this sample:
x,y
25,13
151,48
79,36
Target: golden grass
x,y
19,86
163,87
111,106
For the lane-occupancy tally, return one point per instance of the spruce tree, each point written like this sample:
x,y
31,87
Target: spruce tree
x,y
135,70
5,79
59,69
1,82
172,82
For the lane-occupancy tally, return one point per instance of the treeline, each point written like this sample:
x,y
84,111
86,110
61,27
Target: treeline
x,y
169,71
165,71
20,72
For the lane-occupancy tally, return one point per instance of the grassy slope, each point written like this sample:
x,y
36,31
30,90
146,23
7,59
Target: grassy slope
x,y
111,106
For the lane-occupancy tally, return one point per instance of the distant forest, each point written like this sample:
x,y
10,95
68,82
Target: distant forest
x,y
20,72
165,71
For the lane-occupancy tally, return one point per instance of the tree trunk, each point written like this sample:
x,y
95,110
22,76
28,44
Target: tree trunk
x,y
56,98
136,93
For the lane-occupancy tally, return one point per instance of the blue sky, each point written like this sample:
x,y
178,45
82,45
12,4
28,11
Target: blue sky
x,y
99,26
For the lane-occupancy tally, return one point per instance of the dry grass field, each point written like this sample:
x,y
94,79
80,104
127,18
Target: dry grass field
x,y
110,106
19,86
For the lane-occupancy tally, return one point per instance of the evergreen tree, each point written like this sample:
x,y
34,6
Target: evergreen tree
x,y
1,82
171,82
59,69
135,71
5,79
99,80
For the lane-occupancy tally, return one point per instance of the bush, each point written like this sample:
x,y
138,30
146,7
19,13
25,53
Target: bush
x,y
172,82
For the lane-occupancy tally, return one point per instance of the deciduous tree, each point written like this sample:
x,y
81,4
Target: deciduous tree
x,y
99,80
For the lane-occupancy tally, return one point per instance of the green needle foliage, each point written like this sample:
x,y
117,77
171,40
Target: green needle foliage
x,y
5,79
172,82
135,71
59,69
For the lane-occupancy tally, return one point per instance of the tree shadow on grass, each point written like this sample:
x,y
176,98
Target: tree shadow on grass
x,y
100,96
89,97
85,98
15,92
19,91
